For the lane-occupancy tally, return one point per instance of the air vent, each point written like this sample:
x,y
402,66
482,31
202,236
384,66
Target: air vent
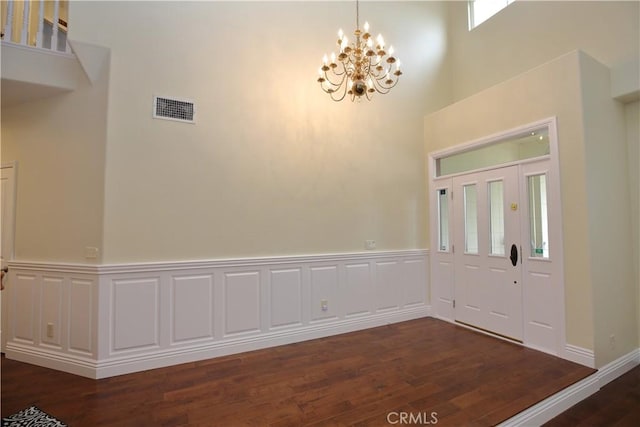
x,y
180,110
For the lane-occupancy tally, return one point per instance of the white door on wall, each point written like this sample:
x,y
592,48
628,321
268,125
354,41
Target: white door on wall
x,y
487,251
7,210
492,200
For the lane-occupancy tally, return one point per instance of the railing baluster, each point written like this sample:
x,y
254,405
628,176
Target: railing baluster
x,y
24,34
54,29
8,28
40,33
17,26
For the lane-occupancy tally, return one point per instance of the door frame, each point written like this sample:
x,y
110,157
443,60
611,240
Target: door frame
x,y
442,279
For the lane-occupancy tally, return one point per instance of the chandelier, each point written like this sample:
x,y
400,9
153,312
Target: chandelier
x,y
360,68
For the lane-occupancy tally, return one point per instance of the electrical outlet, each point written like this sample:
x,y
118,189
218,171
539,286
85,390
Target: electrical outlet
x,y
90,252
369,244
324,305
49,330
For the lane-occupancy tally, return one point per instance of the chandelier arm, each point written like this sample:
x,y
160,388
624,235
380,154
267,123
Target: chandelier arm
x,y
380,87
328,80
342,73
369,95
344,93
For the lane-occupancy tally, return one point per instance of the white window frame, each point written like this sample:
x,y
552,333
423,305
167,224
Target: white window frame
x,y
472,5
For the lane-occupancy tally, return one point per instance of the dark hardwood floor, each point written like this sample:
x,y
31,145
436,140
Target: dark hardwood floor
x,y
615,404
430,369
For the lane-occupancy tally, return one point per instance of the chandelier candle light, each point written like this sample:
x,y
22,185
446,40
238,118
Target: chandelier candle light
x,y
360,68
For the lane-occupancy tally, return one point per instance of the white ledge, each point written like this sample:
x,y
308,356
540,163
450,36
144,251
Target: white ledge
x,y
142,267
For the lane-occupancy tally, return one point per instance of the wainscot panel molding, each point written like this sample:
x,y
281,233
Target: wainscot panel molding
x,y
105,320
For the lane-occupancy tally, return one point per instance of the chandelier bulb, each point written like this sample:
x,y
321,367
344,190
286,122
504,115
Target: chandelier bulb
x,y
380,41
333,58
366,26
391,50
325,59
340,34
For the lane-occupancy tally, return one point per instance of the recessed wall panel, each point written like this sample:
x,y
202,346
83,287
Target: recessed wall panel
x,y
358,289
242,302
81,315
286,297
24,307
388,286
192,307
51,310
414,275
135,313
324,288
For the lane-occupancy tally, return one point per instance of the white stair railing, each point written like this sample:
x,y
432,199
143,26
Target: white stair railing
x,y
35,23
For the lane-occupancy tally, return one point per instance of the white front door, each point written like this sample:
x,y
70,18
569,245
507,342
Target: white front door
x,y
491,199
7,209
487,251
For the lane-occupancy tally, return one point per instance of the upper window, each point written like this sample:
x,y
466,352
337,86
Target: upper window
x,y
481,10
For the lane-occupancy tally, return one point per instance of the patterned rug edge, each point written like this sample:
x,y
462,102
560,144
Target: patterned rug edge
x,y
32,417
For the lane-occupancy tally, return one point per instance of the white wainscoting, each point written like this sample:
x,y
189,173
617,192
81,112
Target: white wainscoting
x,y
106,320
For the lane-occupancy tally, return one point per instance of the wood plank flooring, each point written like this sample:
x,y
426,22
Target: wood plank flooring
x,y
426,367
617,404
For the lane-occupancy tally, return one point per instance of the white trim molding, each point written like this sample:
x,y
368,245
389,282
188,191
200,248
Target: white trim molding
x,y
554,405
618,367
105,320
579,355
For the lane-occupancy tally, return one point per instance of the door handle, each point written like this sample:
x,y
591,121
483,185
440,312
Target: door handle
x,y
514,255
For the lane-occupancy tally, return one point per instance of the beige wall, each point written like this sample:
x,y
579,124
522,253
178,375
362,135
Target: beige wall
x,y
59,144
272,166
632,114
553,89
609,216
529,33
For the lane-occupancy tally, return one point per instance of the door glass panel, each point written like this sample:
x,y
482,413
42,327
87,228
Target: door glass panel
x,y
470,219
496,215
443,220
538,219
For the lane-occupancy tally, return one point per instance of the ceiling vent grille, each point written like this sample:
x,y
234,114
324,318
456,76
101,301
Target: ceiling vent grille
x,y
180,110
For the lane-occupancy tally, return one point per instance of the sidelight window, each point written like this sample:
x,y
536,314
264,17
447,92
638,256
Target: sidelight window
x,y
538,218
443,220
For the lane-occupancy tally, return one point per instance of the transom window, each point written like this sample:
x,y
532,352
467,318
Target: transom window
x,y
481,10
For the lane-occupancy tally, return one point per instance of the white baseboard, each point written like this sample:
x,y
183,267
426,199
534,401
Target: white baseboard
x,y
580,355
553,406
64,362
124,365
120,366
618,367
